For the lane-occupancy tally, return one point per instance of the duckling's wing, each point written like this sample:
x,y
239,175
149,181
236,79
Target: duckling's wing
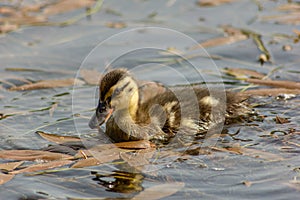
x,y
149,89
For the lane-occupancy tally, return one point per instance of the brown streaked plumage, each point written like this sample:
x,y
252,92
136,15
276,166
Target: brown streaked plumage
x,y
160,115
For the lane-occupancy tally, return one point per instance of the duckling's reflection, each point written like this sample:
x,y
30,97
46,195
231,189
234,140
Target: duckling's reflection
x,y
120,181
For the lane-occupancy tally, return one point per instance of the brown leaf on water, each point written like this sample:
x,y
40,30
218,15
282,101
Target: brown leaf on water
x,y
8,27
86,163
255,153
293,143
235,150
141,144
37,7
10,165
232,35
286,148
278,84
91,77
270,92
7,10
107,155
104,153
115,24
43,166
32,155
281,120
289,7
244,73
220,41
85,153
46,84
159,191
100,157
57,138
18,18
11,81
22,69
119,147
64,6
109,152
5,178
213,2
289,18
250,152
138,158
17,14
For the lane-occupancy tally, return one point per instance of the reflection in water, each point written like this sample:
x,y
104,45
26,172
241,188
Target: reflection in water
x,y
120,181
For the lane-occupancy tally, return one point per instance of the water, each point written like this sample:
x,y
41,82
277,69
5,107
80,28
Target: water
x,y
59,52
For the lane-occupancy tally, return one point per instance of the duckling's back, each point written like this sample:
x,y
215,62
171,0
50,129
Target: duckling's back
x,y
192,109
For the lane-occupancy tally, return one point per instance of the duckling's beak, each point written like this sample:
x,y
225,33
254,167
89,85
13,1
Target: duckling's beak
x,y
101,115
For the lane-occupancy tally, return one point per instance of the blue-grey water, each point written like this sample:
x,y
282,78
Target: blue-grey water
x,y
61,52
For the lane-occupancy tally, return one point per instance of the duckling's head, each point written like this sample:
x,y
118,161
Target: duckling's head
x,y
118,92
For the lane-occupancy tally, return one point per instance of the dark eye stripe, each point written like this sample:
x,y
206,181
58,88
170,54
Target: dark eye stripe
x,y
118,90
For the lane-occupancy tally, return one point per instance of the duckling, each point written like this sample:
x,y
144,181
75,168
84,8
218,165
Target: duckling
x,y
162,115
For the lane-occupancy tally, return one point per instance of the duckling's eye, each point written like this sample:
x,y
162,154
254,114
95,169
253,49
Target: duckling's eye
x,y
101,108
117,91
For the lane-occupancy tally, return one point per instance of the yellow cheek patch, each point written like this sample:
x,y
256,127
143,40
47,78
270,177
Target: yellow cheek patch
x,y
133,104
109,93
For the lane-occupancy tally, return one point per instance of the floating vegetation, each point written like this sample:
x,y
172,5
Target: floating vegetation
x,y
46,84
43,155
14,17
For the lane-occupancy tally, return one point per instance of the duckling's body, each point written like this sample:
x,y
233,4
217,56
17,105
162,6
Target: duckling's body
x,y
161,116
